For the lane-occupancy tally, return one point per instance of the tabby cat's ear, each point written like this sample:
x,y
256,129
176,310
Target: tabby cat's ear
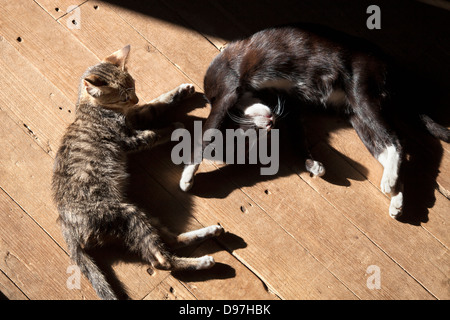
x,y
93,83
119,58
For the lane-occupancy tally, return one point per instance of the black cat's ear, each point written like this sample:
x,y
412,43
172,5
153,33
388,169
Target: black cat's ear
x,y
93,84
119,58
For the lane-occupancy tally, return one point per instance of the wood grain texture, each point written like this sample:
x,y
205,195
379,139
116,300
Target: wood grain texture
x,y
289,236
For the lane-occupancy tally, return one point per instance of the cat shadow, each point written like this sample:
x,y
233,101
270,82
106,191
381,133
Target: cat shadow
x,y
291,160
115,253
418,171
218,271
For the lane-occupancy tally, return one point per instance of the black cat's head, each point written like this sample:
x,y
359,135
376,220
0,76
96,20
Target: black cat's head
x,y
108,83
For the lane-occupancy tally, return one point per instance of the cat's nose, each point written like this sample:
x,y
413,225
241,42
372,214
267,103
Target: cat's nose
x,y
270,124
134,100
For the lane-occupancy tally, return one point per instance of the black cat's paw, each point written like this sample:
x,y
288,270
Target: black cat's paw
x,y
315,167
396,206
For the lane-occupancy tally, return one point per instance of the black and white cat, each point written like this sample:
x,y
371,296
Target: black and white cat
x,y
317,70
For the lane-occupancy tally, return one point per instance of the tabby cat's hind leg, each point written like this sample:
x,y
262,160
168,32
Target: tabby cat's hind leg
x,y
142,237
194,237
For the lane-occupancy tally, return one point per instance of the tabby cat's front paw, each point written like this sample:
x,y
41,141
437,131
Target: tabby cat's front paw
x,y
184,91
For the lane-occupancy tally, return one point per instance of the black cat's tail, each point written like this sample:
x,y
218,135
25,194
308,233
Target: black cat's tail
x,y
438,131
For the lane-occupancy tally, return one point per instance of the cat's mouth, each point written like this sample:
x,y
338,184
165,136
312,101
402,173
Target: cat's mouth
x,y
255,114
264,122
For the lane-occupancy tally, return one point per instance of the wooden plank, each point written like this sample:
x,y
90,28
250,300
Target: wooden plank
x,y
228,279
33,261
175,184
397,267
327,234
26,172
8,290
59,8
144,59
135,279
30,95
295,254
148,195
413,248
170,289
46,44
171,37
209,18
287,272
23,179
423,205
438,219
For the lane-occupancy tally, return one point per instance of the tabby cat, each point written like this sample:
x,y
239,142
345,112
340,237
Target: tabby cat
x,y
343,76
90,173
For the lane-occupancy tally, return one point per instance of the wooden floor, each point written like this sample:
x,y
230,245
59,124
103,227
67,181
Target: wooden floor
x,y
289,236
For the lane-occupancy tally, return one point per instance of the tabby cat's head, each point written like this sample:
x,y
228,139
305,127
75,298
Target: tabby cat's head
x,y
109,84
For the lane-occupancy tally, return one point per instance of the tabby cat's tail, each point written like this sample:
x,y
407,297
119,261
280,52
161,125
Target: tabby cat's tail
x,y
93,273
435,129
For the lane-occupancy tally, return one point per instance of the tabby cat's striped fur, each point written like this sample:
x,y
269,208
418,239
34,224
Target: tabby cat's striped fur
x,y
90,173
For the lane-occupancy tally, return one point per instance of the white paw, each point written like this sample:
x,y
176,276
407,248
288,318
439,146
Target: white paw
x,y
395,208
215,230
390,159
315,167
185,91
388,181
205,262
186,183
187,177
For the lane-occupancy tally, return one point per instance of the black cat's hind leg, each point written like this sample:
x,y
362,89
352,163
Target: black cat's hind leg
x,y
385,147
298,137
